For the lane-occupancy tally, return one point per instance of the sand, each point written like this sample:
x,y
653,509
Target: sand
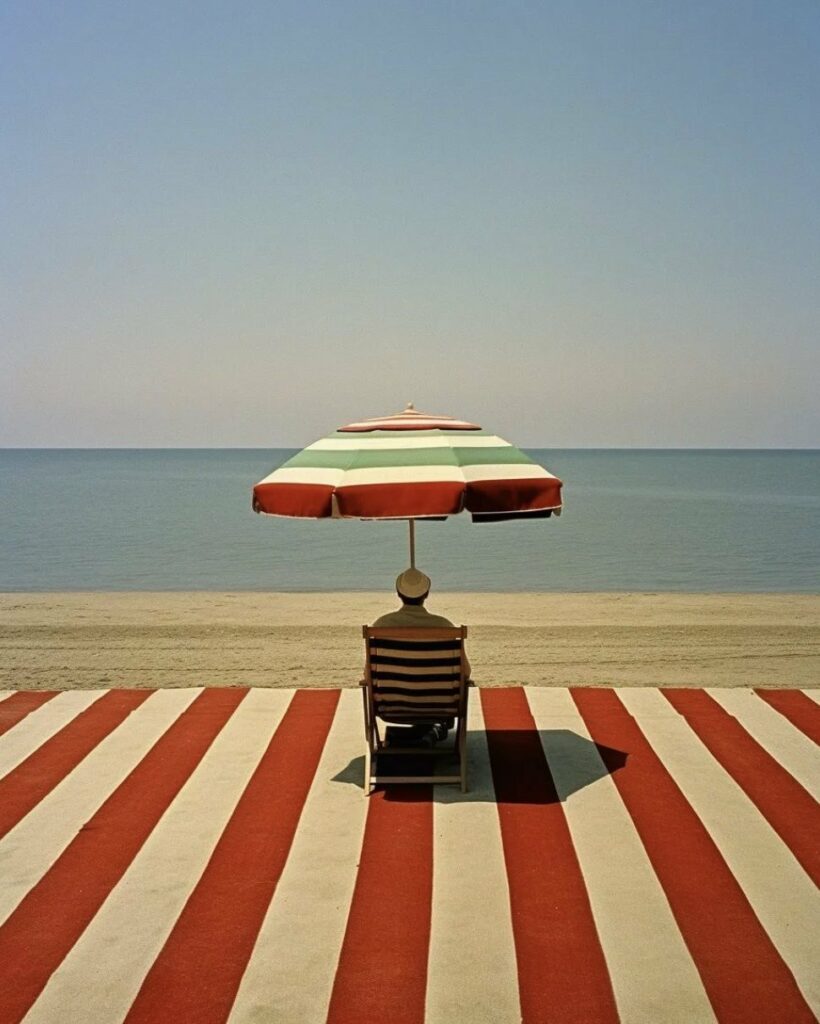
x,y
95,640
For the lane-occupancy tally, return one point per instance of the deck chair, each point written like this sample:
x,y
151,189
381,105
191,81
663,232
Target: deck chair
x,y
413,675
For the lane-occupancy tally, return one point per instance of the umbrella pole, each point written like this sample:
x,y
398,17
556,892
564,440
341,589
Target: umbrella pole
x,y
412,523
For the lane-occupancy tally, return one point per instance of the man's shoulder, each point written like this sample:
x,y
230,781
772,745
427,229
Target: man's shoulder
x,y
389,619
404,619
438,622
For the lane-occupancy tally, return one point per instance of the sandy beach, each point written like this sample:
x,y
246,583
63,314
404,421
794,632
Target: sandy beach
x,y
140,639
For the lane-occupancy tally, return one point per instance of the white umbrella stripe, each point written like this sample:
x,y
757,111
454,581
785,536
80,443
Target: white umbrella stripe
x,y
365,443
404,475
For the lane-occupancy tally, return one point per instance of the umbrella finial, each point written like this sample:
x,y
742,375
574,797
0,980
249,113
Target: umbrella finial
x,y
410,407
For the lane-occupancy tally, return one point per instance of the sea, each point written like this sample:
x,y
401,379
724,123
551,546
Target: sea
x,y
633,520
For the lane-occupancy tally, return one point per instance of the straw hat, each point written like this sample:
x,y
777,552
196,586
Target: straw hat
x,y
412,583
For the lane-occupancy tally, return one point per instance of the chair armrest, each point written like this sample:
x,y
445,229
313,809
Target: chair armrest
x,y
362,682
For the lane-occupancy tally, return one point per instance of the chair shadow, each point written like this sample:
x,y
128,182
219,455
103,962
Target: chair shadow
x,y
524,767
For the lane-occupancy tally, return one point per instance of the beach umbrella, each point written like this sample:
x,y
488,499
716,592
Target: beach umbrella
x,y
410,466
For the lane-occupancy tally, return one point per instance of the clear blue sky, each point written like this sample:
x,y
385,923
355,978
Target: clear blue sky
x,y
578,223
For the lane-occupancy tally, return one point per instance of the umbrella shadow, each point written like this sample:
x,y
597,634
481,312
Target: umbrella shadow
x,y
524,767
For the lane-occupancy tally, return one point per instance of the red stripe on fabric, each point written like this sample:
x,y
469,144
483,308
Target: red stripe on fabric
x,y
379,501
513,495
308,501
196,976
788,808
402,423
37,936
15,708
562,974
743,974
382,971
799,709
26,785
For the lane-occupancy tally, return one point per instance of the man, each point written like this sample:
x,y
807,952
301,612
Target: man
x,y
413,587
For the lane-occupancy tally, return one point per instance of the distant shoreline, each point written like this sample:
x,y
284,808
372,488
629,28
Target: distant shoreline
x,y
441,593
300,444
88,640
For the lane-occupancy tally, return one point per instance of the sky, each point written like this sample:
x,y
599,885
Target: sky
x,y
578,224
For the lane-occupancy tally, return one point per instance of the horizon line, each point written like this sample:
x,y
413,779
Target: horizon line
x,y
290,447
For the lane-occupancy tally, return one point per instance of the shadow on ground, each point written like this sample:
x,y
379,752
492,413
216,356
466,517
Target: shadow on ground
x,y
528,767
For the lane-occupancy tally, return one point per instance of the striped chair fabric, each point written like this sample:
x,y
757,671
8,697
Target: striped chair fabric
x,y
414,678
413,674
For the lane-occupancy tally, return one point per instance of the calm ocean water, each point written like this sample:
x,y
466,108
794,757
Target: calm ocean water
x,y
633,520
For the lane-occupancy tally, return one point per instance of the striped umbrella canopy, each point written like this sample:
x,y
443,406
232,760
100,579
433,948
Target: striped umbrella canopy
x,y
410,466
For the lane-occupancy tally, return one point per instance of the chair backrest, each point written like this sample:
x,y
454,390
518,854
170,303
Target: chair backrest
x,y
415,673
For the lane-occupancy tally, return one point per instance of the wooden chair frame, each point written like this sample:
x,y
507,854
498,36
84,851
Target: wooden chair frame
x,y
376,746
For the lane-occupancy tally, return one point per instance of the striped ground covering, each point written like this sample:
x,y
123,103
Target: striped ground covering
x,y
207,855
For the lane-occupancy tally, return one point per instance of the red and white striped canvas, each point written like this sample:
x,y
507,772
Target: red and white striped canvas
x,y
207,855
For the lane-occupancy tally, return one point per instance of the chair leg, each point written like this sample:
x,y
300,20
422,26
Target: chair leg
x,y
370,728
367,759
462,752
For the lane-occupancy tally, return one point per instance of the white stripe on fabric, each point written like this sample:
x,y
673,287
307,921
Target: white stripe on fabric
x,y
632,915
32,846
5,693
39,726
780,892
140,912
372,444
442,474
512,471
304,475
433,474
813,695
289,977
340,478
471,934
795,751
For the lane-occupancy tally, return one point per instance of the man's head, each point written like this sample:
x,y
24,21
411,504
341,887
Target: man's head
x,y
412,586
